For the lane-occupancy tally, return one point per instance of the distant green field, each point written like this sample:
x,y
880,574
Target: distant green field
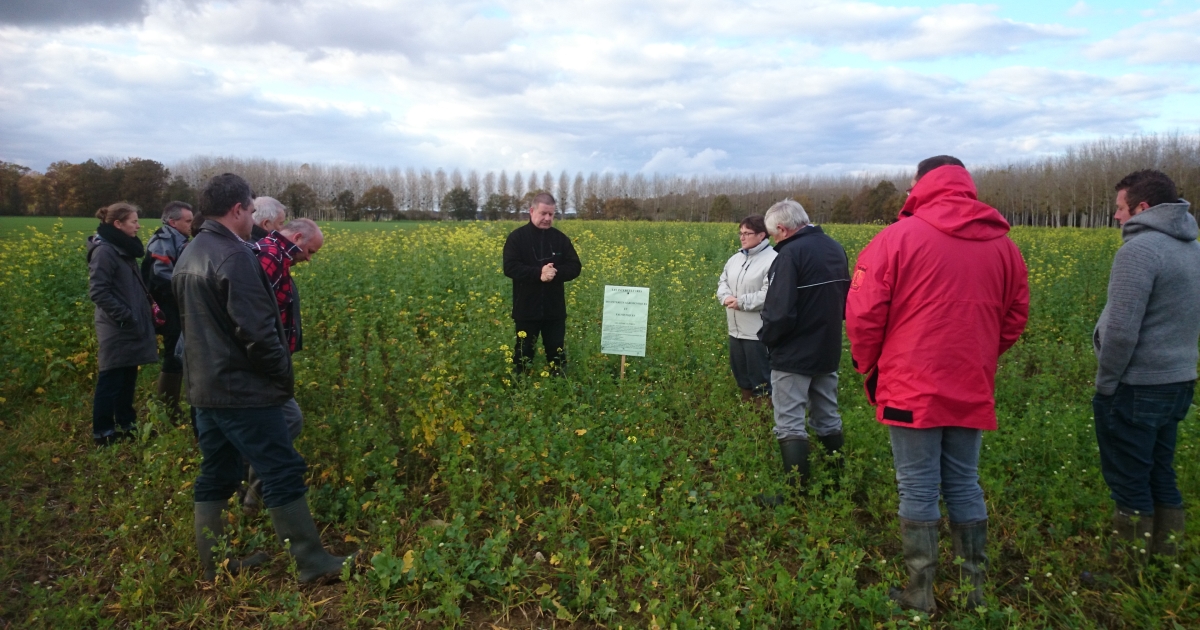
x,y
19,226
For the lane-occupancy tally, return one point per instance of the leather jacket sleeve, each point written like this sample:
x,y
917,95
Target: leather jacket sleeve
x,y
255,316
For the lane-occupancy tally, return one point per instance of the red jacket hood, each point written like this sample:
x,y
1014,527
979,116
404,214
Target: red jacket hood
x,y
946,199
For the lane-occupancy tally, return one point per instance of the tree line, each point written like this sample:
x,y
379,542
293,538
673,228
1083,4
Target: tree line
x,y
1071,189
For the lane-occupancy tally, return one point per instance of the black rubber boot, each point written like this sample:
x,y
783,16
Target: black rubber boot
x,y
832,442
920,541
970,544
295,527
209,527
1168,530
794,453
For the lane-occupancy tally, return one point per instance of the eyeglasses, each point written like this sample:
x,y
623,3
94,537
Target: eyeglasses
x,y
746,234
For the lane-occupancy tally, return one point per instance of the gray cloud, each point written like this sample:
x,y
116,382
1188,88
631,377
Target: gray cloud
x,y
71,12
412,28
542,88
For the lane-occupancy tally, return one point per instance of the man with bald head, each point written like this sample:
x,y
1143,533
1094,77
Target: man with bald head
x,y
294,242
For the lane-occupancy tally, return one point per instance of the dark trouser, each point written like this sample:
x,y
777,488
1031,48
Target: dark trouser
x,y
112,404
261,436
171,364
1136,428
750,364
553,332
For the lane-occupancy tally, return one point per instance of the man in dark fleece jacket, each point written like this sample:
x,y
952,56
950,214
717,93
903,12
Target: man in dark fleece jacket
x,y
1145,343
802,328
540,260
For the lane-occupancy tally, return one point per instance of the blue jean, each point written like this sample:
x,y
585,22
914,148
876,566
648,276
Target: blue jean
x,y
750,364
943,461
261,436
112,403
1136,429
796,396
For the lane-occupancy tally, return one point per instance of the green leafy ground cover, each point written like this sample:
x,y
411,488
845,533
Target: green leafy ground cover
x,y
580,502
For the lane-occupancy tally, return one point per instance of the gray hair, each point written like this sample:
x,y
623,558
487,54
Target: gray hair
x,y
268,209
306,227
787,213
174,210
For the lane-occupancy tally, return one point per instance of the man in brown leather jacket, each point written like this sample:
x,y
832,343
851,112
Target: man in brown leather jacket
x,y
239,375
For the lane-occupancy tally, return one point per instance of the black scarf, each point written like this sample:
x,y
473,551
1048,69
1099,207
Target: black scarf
x,y
131,245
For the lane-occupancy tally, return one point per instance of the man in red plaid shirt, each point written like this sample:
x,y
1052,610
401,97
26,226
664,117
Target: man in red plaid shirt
x,y
277,252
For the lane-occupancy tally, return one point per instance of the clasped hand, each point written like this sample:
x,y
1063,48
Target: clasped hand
x,y
548,272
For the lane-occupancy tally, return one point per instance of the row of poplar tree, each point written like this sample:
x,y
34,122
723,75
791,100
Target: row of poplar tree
x,y
1070,189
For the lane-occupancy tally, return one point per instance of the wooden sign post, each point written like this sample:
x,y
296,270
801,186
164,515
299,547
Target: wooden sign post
x,y
623,329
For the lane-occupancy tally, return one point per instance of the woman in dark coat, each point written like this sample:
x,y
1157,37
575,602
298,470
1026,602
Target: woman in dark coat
x,y
124,320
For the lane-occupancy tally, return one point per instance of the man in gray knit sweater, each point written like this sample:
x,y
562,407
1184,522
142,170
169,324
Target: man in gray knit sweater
x,y
1146,347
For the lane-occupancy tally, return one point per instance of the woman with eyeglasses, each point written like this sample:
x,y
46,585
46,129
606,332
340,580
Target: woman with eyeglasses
x,y
742,290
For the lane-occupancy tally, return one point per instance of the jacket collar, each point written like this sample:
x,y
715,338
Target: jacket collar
x,y
766,242
172,232
804,231
286,245
1172,219
220,230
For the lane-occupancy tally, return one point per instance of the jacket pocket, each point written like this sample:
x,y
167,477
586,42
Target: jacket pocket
x,y
1154,406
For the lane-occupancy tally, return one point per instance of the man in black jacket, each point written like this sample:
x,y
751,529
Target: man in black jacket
x,y
802,328
239,376
540,260
162,251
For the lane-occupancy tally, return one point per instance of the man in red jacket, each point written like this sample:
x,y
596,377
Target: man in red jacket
x,y
934,300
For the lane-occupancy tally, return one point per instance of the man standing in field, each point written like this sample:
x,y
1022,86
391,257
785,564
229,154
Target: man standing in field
x,y
935,300
239,374
164,248
1145,343
802,328
540,260
294,243
269,216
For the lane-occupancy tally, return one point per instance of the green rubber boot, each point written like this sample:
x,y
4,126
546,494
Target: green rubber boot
x,y
1168,530
295,527
209,528
920,543
970,544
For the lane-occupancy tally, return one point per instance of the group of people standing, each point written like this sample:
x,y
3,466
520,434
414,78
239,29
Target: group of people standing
x,y
229,314
933,302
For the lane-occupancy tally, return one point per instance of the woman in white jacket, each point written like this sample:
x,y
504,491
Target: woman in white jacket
x,y
741,290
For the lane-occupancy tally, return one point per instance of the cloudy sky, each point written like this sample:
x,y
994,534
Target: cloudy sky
x,y
679,86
